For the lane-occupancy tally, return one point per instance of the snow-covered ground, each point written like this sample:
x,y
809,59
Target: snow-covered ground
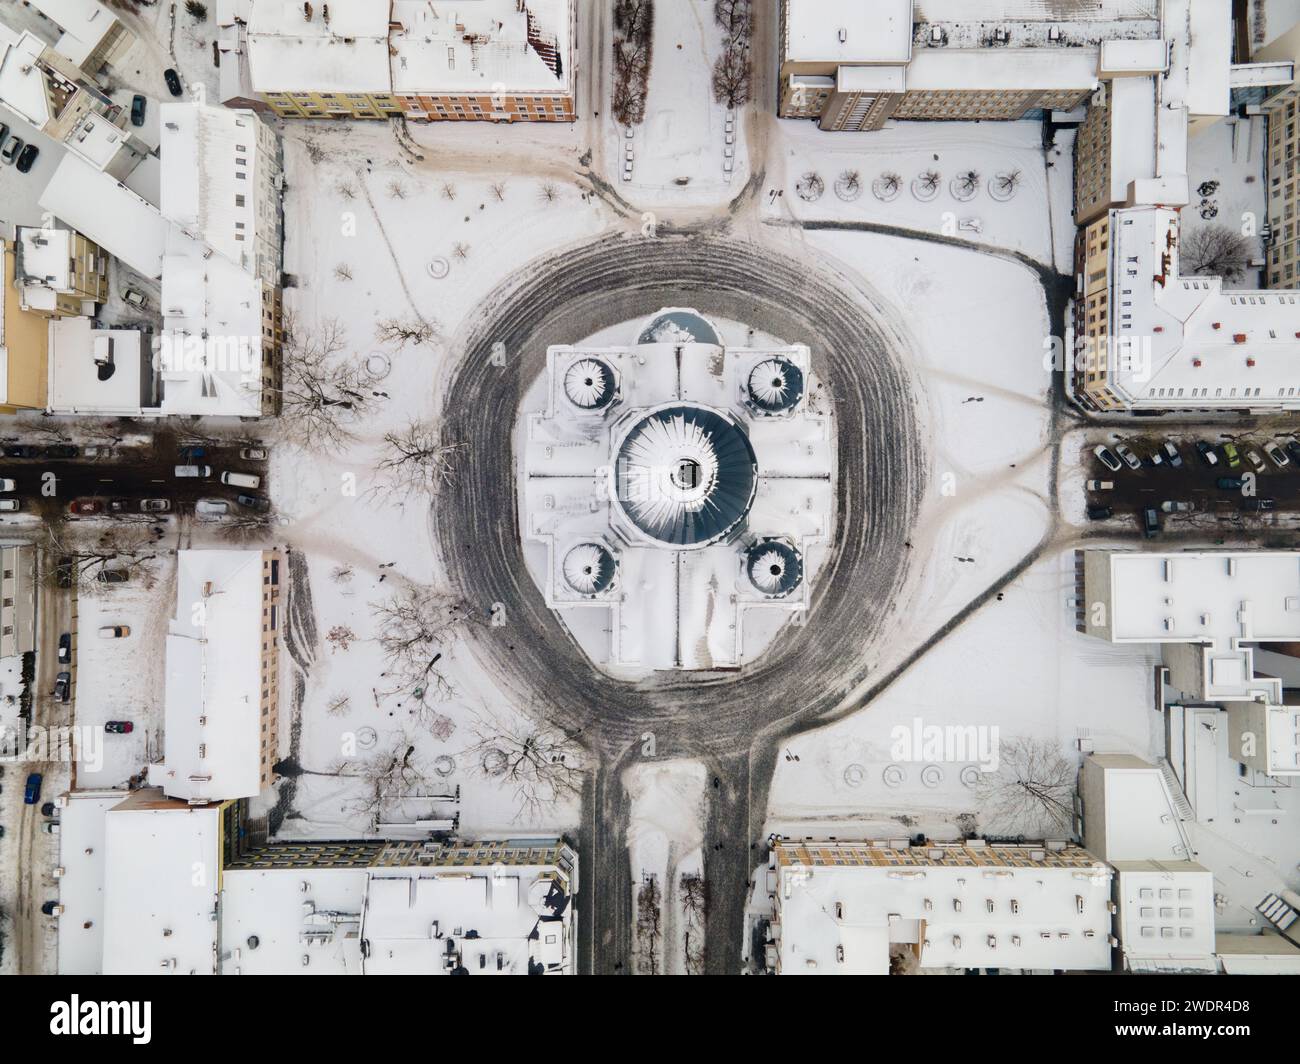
x,y
1229,155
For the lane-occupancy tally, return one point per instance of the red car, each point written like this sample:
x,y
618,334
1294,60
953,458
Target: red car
x,y
119,727
86,507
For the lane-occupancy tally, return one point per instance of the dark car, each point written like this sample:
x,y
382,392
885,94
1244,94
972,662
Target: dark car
x,y
21,450
254,502
173,80
1293,449
27,158
1150,522
32,793
154,506
85,507
137,110
119,727
4,132
1099,513
1258,505
113,576
49,907
1229,483
119,506
1172,454
47,809
1207,453
63,687
65,648
60,450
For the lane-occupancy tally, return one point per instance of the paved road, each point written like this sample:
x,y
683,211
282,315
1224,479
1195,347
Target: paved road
x,y
720,718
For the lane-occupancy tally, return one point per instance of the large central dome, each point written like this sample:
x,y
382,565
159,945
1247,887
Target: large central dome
x,y
686,475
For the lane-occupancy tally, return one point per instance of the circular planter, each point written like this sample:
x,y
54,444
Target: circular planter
x,y
883,192
999,192
439,268
855,775
922,193
961,193
378,365
810,188
847,190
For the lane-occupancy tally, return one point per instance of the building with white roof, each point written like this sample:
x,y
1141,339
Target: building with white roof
x,y
92,36
18,601
852,67
221,708
498,60
80,876
51,92
1265,738
107,372
1206,609
162,881
707,535
869,908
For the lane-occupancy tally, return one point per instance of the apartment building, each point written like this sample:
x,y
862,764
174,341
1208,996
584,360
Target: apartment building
x,y
221,709
876,907
855,66
59,271
17,599
494,60
90,34
51,92
24,343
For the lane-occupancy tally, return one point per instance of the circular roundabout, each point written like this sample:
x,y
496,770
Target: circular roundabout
x,y
881,469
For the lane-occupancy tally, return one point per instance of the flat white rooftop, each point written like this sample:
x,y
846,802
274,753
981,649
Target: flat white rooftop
x,y
878,32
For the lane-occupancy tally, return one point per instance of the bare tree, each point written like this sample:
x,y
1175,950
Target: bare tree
x,y
448,190
398,332
1008,181
460,250
396,190
1216,250
736,17
73,556
343,272
498,189
649,927
393,772
547,192
346,189
539,758
416,462
929,180
246,526
341,637
416,626
693,894
323,390
633,52
732,80
968,181
1031,793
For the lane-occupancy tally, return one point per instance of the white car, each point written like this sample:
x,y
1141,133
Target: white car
x,y
1256,462
10,505
1130,459
8,485
211,508
1276,455
253,454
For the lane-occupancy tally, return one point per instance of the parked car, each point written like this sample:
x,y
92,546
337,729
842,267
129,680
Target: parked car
x,y
1107,459
154,506
1276,455
52,908
1150,522
1173,454
1130,459
119,727
65,648
1100,513
11,149
63,687
253,454
119,506
32,792
10,505
60,450
47,809
21,450
97,451
254,502
211,507
241,480
194,471
137,110
1156,459
1230,483
1177,507
173,80
27,158
1207,453
114,631
4,132
50,827
1293,449
86,507
113,576
1231,456
1258,505
135,299
7,484
1100,485
1256,462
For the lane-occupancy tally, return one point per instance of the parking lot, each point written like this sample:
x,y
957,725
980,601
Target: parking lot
x,y
1190,494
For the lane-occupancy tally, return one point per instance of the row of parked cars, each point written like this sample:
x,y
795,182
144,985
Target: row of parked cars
x,y
1228,455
